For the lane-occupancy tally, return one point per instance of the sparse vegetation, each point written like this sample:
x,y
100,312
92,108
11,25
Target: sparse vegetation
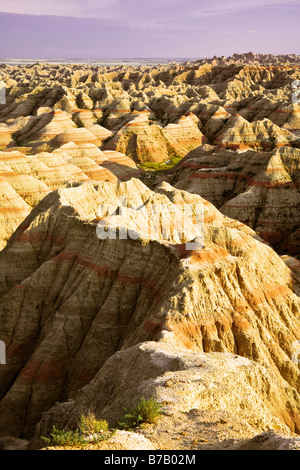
x,y
160,166
90,431
146,411
64,438
90,425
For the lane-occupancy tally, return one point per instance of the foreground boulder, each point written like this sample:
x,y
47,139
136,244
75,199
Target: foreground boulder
x,y
182,381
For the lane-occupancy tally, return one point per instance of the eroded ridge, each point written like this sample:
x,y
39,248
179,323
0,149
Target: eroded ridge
x,y
70,301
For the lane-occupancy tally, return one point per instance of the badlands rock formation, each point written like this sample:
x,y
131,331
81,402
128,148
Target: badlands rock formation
x,y
232,103
111,286
250,58
157,115
70,301
26,179
261,189
144,140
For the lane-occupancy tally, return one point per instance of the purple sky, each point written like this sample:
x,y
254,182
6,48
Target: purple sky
x,y
147,28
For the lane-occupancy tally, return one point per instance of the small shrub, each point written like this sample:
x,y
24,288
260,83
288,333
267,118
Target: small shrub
x,y
146,411
63,438
90,425
90,431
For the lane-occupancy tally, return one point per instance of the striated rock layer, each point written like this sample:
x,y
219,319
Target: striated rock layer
x,y
153,112
26,179
157,115
110,290
70,300
261,189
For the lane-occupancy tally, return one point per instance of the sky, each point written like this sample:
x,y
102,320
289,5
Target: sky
x,y
107,29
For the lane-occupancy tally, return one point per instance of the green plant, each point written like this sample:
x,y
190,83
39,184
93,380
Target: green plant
x,y
90,425
146,411
90,431
157,167
63,438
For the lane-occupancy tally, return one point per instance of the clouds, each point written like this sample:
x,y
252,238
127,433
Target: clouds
x,y
69,8
147,28
150,10
150,15
158,17
145,11
218,7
